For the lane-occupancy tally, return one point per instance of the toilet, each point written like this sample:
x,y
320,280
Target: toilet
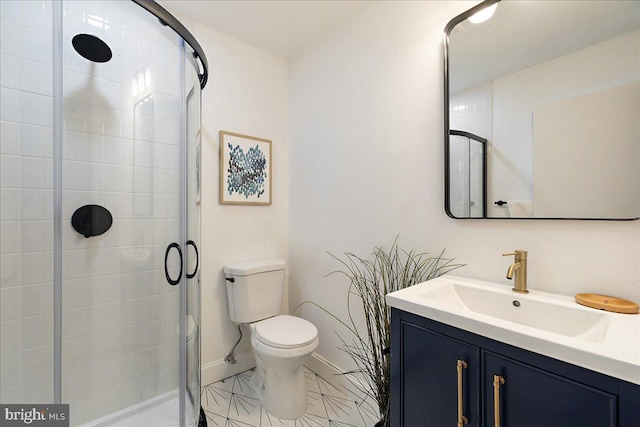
x,y
280,343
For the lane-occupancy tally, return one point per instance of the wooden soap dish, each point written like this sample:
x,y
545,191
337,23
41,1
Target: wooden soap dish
x,y
603,302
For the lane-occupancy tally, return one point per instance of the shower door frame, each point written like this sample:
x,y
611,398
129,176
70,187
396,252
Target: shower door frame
x,y
58,104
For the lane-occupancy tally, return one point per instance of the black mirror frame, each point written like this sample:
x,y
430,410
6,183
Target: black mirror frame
x,y
447,180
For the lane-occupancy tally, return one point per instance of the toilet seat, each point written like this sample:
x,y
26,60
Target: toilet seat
x,y
285,332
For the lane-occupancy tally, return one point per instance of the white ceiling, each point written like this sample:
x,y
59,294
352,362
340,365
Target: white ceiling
x,y
283,28
524,33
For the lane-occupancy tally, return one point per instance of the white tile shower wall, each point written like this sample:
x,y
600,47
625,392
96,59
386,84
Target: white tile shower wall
x,y
470,110
26,227
120,316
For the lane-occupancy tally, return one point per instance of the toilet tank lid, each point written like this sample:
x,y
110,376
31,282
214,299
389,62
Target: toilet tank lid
x,y
252,267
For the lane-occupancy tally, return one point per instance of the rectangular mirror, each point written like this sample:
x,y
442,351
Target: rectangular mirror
x,y
542,110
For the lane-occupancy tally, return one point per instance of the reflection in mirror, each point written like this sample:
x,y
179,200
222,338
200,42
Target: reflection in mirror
x,y
467,160
553,88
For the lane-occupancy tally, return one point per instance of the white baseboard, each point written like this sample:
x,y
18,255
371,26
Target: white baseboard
x,y
219,370
344,382
328,371
334,375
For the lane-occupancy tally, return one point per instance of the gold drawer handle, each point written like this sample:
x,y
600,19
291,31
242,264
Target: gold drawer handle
x,y
497,382
462,420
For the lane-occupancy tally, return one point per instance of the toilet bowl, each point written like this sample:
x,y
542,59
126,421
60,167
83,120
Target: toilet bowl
x,y
280,343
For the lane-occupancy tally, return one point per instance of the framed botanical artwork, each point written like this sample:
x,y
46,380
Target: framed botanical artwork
x,y
245,169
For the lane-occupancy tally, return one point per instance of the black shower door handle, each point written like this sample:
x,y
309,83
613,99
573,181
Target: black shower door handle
x,y
195,247
171,281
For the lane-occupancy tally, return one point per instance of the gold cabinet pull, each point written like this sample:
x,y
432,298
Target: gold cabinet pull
x,y
462,420
497,382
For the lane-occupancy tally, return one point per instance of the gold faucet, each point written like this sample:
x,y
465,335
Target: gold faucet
x,y
519,269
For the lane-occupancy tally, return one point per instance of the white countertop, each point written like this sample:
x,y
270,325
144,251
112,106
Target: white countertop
x,y
615,351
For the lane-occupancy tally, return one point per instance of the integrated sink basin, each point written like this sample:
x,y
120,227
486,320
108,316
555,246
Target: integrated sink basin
x,y
530,311
550,324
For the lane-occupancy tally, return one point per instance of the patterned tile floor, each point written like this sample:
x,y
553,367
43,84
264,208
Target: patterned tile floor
x,y
232,403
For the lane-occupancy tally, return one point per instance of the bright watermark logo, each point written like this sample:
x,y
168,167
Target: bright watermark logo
x,y
34,415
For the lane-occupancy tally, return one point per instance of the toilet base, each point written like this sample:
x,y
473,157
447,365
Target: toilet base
x,y
282,391
279,379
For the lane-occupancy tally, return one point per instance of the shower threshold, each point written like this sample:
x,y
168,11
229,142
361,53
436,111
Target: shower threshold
x,y
160,411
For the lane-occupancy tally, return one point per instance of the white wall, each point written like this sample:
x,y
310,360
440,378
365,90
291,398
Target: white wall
x,y
366,164
589,143
247,94
517,95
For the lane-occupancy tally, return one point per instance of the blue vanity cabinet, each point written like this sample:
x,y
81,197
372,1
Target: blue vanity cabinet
x,y
427,391
537,391
531,397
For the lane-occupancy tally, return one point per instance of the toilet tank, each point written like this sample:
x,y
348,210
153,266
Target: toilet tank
x,y
256,290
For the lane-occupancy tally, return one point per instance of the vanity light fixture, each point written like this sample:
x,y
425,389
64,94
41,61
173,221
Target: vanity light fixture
x,y
484,14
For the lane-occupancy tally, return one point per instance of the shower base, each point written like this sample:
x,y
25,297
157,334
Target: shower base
x,y
161,411
162,415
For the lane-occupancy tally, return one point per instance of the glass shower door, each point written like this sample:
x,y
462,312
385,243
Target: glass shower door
x,y
121,151
99,212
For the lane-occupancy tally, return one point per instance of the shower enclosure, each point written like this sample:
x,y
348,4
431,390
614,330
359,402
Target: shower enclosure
x,y
467,175
99,211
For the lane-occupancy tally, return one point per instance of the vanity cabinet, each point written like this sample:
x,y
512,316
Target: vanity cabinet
x,y
522,388
432,378
532,397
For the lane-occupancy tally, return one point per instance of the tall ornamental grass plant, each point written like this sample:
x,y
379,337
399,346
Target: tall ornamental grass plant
x,y
370,280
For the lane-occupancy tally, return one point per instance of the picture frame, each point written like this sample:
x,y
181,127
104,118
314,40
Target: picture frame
x,y
245,169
